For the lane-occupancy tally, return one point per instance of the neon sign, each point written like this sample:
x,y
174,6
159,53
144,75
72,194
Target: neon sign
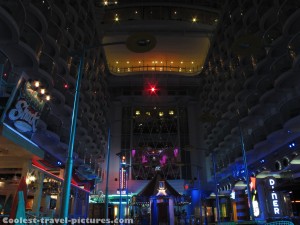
x,y
122,179
24,116
255,204
274,197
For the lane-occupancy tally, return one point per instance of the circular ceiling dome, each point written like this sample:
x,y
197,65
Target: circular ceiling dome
x,y
140,42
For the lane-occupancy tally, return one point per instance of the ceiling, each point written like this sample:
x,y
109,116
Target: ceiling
x,y
172,54
156,37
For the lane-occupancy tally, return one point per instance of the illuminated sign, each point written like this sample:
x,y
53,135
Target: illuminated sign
x,y
24,108
232,194
255,204
274,197
161,188
24,116
122,180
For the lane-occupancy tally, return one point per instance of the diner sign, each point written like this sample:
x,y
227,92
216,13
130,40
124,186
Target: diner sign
x,y
273,197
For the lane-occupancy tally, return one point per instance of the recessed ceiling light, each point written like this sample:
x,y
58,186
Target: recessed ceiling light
x,y
181,62
194,19
36,83
161,62
136,12
127,62
139,62
192,62
175,12
117,62
171,62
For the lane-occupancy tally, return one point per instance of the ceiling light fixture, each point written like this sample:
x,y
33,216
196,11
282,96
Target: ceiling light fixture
x,y
116,18
141,42
37,84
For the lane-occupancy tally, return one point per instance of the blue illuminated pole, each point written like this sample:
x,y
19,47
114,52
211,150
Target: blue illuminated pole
x,y
200,193
107,174
64,211
120,202
216,188
246,171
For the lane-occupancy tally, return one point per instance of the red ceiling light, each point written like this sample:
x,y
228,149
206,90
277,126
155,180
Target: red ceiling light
x,y
152,89
66,86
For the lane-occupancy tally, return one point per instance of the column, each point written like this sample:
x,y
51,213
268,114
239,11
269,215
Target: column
x,y
86,205
242,207
171,211
58,201
73,205
38,193
45,203
154,211
26,167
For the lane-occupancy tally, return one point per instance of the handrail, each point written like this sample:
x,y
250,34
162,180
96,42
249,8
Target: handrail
x,y
280,222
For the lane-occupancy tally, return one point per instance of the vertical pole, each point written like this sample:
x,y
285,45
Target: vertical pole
x,y
2,89
200,194
246,171
107,175
69,162
127,206
216,189
120,199
87,204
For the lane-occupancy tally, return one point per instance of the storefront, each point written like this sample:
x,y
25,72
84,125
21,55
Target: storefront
x,y
35,155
